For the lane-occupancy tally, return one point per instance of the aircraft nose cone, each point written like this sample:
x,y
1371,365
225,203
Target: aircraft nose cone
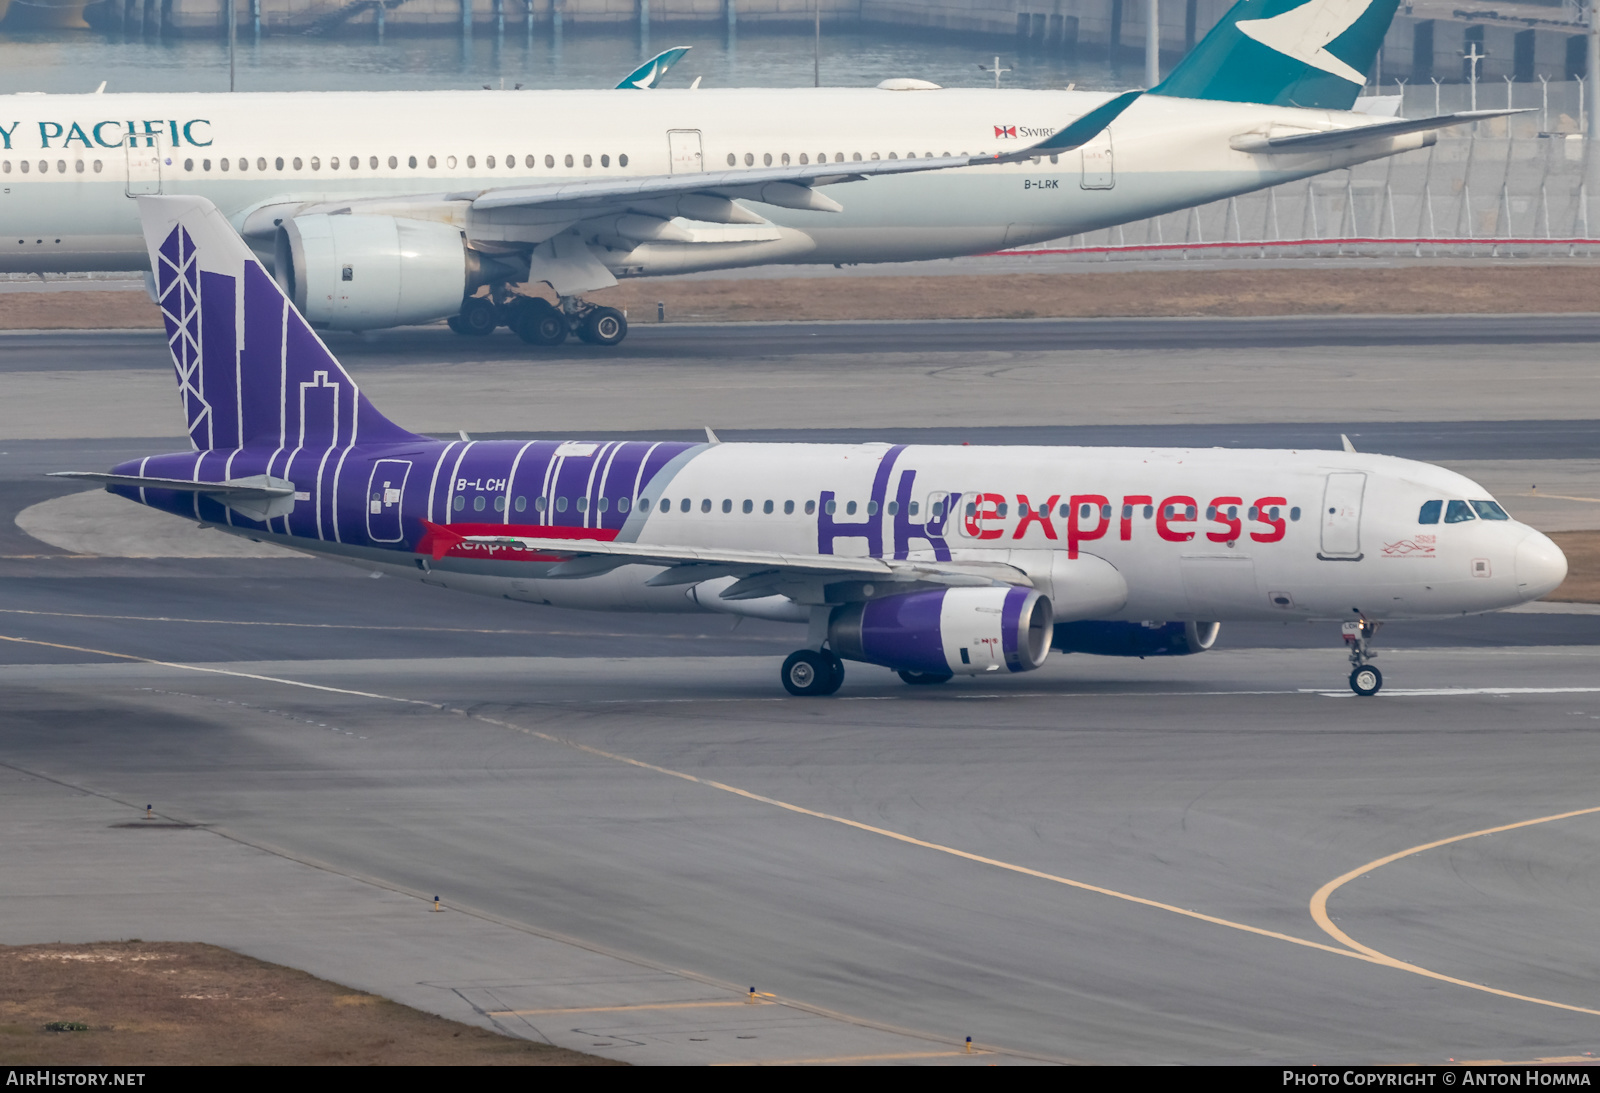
x,y
1541,567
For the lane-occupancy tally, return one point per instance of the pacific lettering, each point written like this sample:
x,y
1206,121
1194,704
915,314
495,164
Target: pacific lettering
x,y
76,133
188,133
48,131
102,141
1076,533
5,134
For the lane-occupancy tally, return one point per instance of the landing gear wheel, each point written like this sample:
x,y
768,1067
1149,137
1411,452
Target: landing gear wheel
x,y
539,323
1366,681
477,317
807,673
922,679
604,326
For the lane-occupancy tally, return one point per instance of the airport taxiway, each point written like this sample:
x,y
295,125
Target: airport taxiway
x,y
630,824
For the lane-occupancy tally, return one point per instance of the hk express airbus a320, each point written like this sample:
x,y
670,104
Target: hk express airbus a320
x,y
383,209
930,561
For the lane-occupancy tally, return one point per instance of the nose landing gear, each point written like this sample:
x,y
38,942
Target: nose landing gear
x,y
1365,680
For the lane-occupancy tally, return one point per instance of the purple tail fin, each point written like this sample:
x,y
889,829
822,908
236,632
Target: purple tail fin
x,y
251,372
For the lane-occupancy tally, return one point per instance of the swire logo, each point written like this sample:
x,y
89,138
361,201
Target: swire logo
x,y
1009,131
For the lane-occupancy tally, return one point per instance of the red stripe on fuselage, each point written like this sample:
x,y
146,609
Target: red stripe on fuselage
x,y
512,552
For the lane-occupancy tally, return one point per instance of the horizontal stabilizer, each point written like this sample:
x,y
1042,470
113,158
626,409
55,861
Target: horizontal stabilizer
x,y
1359,134
259,497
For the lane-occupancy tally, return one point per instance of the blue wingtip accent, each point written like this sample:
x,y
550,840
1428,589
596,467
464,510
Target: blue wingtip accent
x,y
1086,128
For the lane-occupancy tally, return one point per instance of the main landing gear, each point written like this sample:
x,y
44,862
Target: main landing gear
x,y
1365,680
539,322
809,673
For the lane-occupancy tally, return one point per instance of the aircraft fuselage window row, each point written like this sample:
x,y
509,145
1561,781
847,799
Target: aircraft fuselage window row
x,y
375,163
24,166
1459,512
783,159
1000,509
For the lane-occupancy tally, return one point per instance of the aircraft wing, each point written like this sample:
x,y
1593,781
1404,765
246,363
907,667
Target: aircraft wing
x,y
761,572
1359,134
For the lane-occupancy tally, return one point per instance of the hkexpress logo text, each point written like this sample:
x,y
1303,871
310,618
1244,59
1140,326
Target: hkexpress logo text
x,y
112,134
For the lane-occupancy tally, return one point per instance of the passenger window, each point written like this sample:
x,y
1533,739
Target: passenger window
x,y
1150,510
788,508
727,504
604,504
450,162
569,159
804,159
1001,509
394,162
529,161
936,509
487,162
749,159
705,504
829,507
588,161
188,165
892,508
1430,512
540,503
766,159
1457,512
460,503
1105,512
1488,510
472,161
549,161
766,507
316,163
561,504
785,159
622,504
912,508
644,504
333,163
432,162
1083,512
605,161
1294,513
748,507
521,504
683,506
1065,510
622,161
872,508
499,504
850,508
98,165
298,163
477,503
811,507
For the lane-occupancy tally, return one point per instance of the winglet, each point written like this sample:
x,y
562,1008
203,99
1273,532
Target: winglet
x,y
648,74
438,540
1349,447
711,438
1078,133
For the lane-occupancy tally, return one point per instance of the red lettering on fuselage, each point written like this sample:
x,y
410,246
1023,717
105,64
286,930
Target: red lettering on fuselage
x,y
985,506
1274,522
1076,533
1040,517
1219,515
1178,507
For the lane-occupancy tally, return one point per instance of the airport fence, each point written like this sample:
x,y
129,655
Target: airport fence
x,y
1523,186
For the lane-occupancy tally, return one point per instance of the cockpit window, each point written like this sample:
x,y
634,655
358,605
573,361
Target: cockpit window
x,y
1488,510
1457,512
1430,512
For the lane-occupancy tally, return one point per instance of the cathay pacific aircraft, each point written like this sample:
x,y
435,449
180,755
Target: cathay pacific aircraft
x,y
383,209
929,561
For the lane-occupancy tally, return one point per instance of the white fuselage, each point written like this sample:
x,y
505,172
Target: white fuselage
x,y
1195,534
69,163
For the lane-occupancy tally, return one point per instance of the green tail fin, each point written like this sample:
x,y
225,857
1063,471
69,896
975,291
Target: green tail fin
x,y
1310,53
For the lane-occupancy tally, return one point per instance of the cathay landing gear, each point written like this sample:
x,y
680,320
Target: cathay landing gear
x,y
603,326
1365,680
808,673
536,321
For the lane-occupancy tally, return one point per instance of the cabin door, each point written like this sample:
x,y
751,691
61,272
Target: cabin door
x,y
1341,516
385,491
684,148
144,164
